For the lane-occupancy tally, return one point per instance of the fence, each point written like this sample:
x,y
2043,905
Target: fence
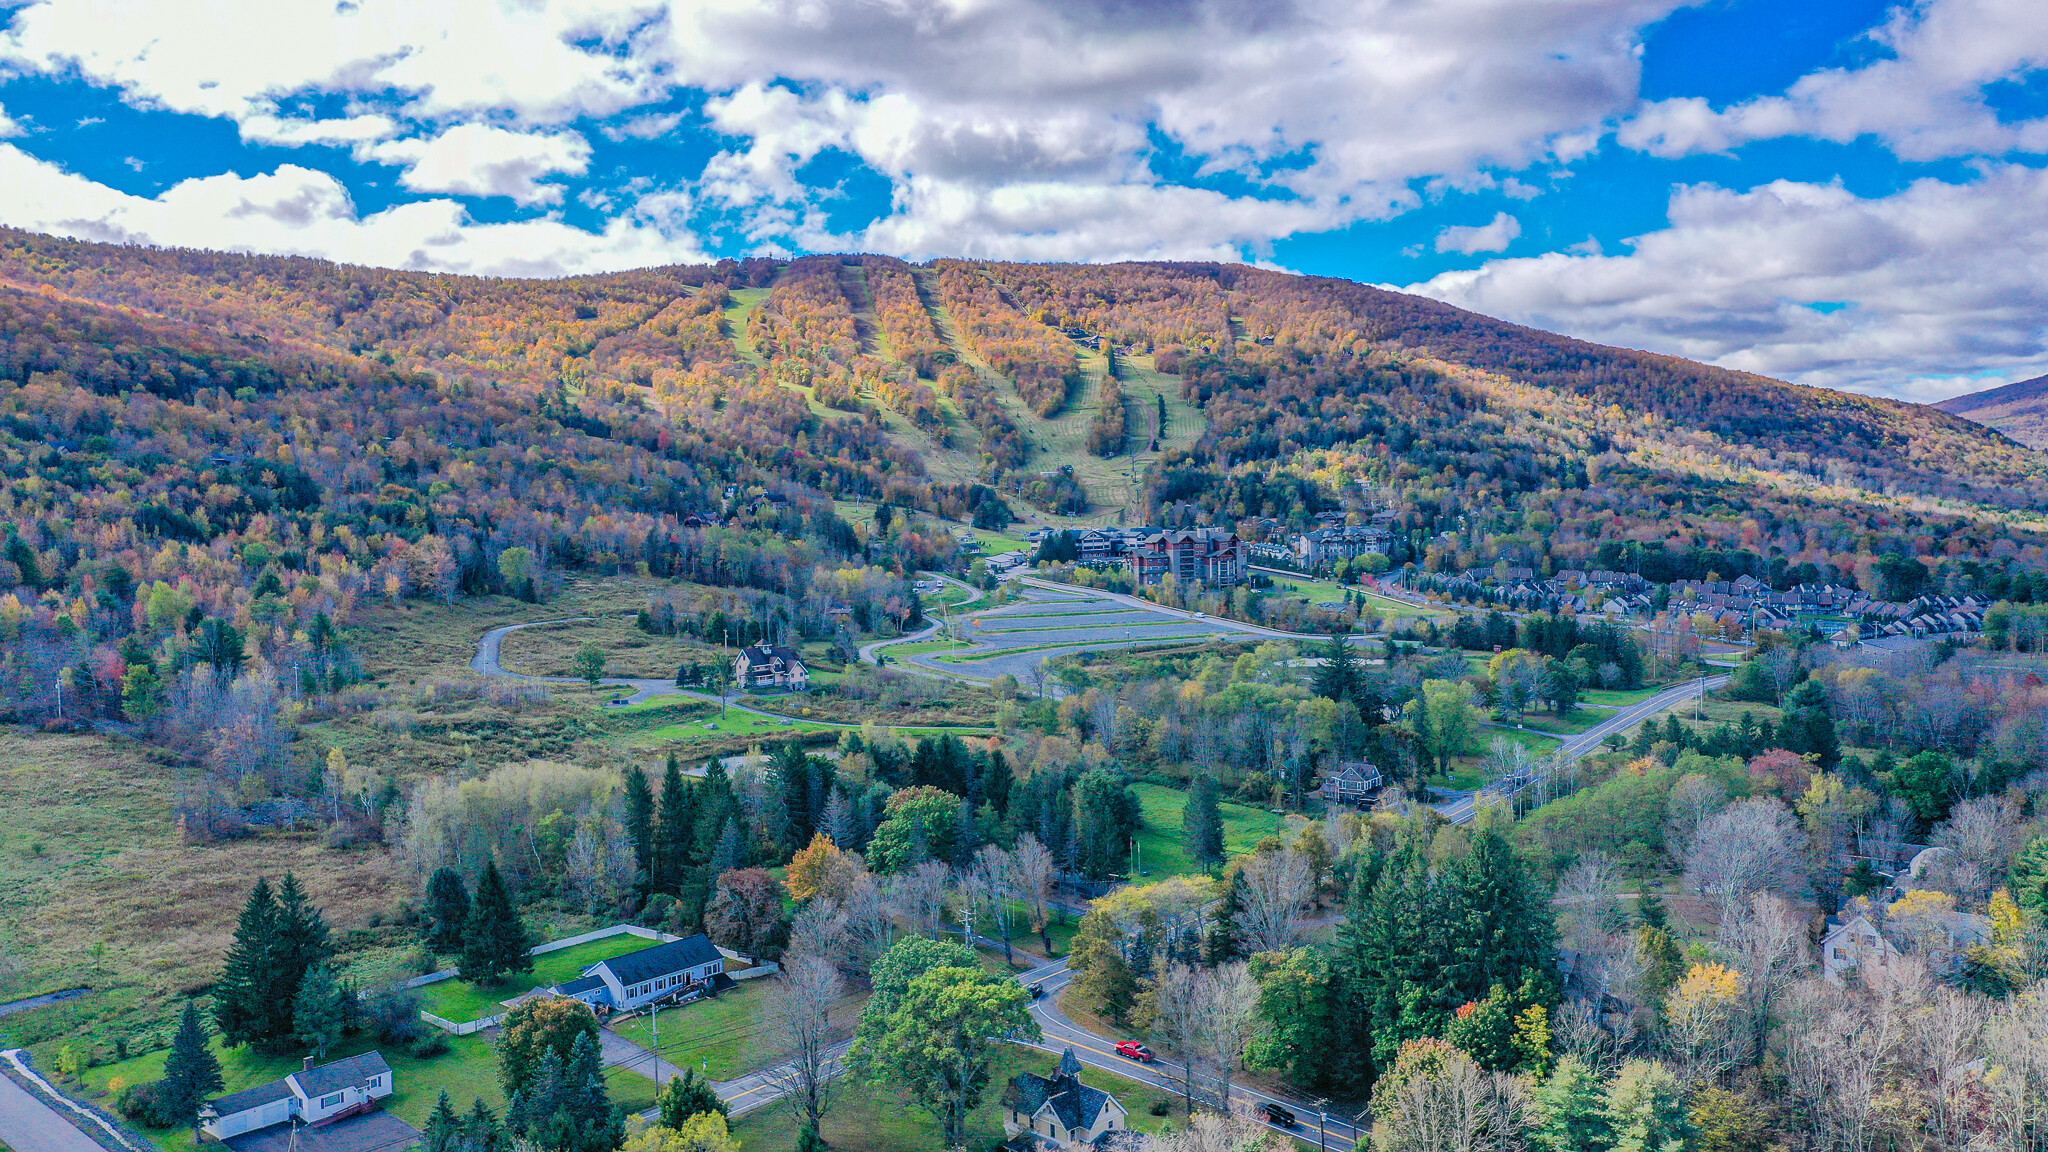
x,y
754,968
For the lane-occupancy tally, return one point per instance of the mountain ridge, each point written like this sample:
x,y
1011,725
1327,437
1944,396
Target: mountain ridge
x,y
2019,409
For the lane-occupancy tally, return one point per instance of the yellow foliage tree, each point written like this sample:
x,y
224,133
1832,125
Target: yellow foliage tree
x,y
703,1132
1699,1018
811,870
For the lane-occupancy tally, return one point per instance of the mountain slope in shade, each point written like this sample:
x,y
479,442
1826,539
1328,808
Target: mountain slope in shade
x,y
2019,410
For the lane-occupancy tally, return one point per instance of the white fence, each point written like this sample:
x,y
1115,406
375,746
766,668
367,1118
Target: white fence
x,y
470,1027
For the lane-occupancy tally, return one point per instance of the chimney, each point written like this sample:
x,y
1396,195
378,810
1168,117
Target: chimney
x,y
307,1066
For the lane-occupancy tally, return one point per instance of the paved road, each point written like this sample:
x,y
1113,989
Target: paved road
x,y
1098,1051
741,1096
29,1125
1463,807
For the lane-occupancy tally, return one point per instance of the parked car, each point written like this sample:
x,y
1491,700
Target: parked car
x,y
1132,1050
1276,1115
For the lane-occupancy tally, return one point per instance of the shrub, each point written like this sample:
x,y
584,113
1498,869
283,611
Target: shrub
x,y
432,1045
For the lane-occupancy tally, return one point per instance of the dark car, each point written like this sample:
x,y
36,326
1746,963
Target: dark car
x,y
1036,990
1276,1115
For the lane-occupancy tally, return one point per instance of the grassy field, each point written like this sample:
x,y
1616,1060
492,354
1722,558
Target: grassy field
x,y
460,1001
997,544
1329,591
716,727
468,1071
551,650
1161,851
868,1118
729,1036
1617,698
924,647
96,887
991,654
1567,725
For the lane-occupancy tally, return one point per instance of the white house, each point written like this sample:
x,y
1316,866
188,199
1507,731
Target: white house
x,y
1058,1113
309,1096
641,978
768,665
1941,936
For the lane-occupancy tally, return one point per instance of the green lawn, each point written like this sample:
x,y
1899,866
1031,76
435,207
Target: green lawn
x,y
733,723
870,1118
923,647
997,544
467,1071
1161,852
1572,724
1329,592
1616,697
724,1037
460,1001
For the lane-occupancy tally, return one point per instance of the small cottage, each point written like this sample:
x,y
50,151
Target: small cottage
x,y
766,665
310,1096
1058,1113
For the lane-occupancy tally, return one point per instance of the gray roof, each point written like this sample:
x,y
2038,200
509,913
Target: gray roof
x,y
249,1098
764,655
580,984
370,1132
341,1074
660,960
1076,1104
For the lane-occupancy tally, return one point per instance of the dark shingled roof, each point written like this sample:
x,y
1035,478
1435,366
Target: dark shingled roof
x,y
660,960
1076,1104
249,1098
580,984
341,1074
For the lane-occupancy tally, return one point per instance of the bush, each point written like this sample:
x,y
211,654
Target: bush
x,y
140,1103
434,1044
1162,1107
393,1013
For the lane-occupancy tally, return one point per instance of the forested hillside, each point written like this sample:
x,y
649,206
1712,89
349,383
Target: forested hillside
x,y
981,390
2018,410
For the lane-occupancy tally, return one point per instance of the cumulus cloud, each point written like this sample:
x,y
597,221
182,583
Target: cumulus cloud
x,y
299,211
7,125
1334,105
481,160
1939,278
1493,236
1925,100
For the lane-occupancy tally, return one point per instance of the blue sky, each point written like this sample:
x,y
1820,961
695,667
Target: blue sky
x,y
1848,193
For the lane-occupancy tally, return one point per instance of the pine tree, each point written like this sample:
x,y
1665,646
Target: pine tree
x,y
494,942
792,770
301,945
1221,945
1645,1110
640,824
1650,909
685,1096
240,1004
443,1132
1566,1111
482,1131
1338,675
319,1011
191,1073
1202,823
676,834
1116,986
729,854
447,911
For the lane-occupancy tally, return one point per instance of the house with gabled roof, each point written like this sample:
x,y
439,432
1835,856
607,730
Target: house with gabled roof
x,y
1058,1113
312,1096
766,665
1354,782
661,973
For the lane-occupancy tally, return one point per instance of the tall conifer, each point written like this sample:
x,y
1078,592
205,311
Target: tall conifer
x,y
494,942
240,1007
447,910
191,1073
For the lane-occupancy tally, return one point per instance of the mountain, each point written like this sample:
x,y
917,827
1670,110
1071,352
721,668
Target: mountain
x,y
2018,410
597,413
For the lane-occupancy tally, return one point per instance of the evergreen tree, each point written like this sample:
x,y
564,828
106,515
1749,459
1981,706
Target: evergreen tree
x,y
447,911
640,823
240,1008
443,1132
808,1140
482,1131
494,942
730,852
675,838
686,1096
1650,909
1645,1110
1221,945
1116,987
301,944
1338,676
191,1073
319,1011
1202,823
1566,1111
792,769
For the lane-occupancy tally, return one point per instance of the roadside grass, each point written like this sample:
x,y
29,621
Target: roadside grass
x,y
730,1035
1617,698
880,1118
923,647
467,1071
460,1001
1161,850
983,626
1570,724
992,653
715,727
97,888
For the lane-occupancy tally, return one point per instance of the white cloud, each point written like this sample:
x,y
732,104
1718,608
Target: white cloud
x,y
481,160
1941,278
951,100
1493,236
7,125
299,211
1925,101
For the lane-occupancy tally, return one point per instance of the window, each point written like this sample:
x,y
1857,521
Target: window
x,y
330,1101
376,1081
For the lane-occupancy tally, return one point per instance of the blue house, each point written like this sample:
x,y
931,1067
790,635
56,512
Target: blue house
x,y
637,979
